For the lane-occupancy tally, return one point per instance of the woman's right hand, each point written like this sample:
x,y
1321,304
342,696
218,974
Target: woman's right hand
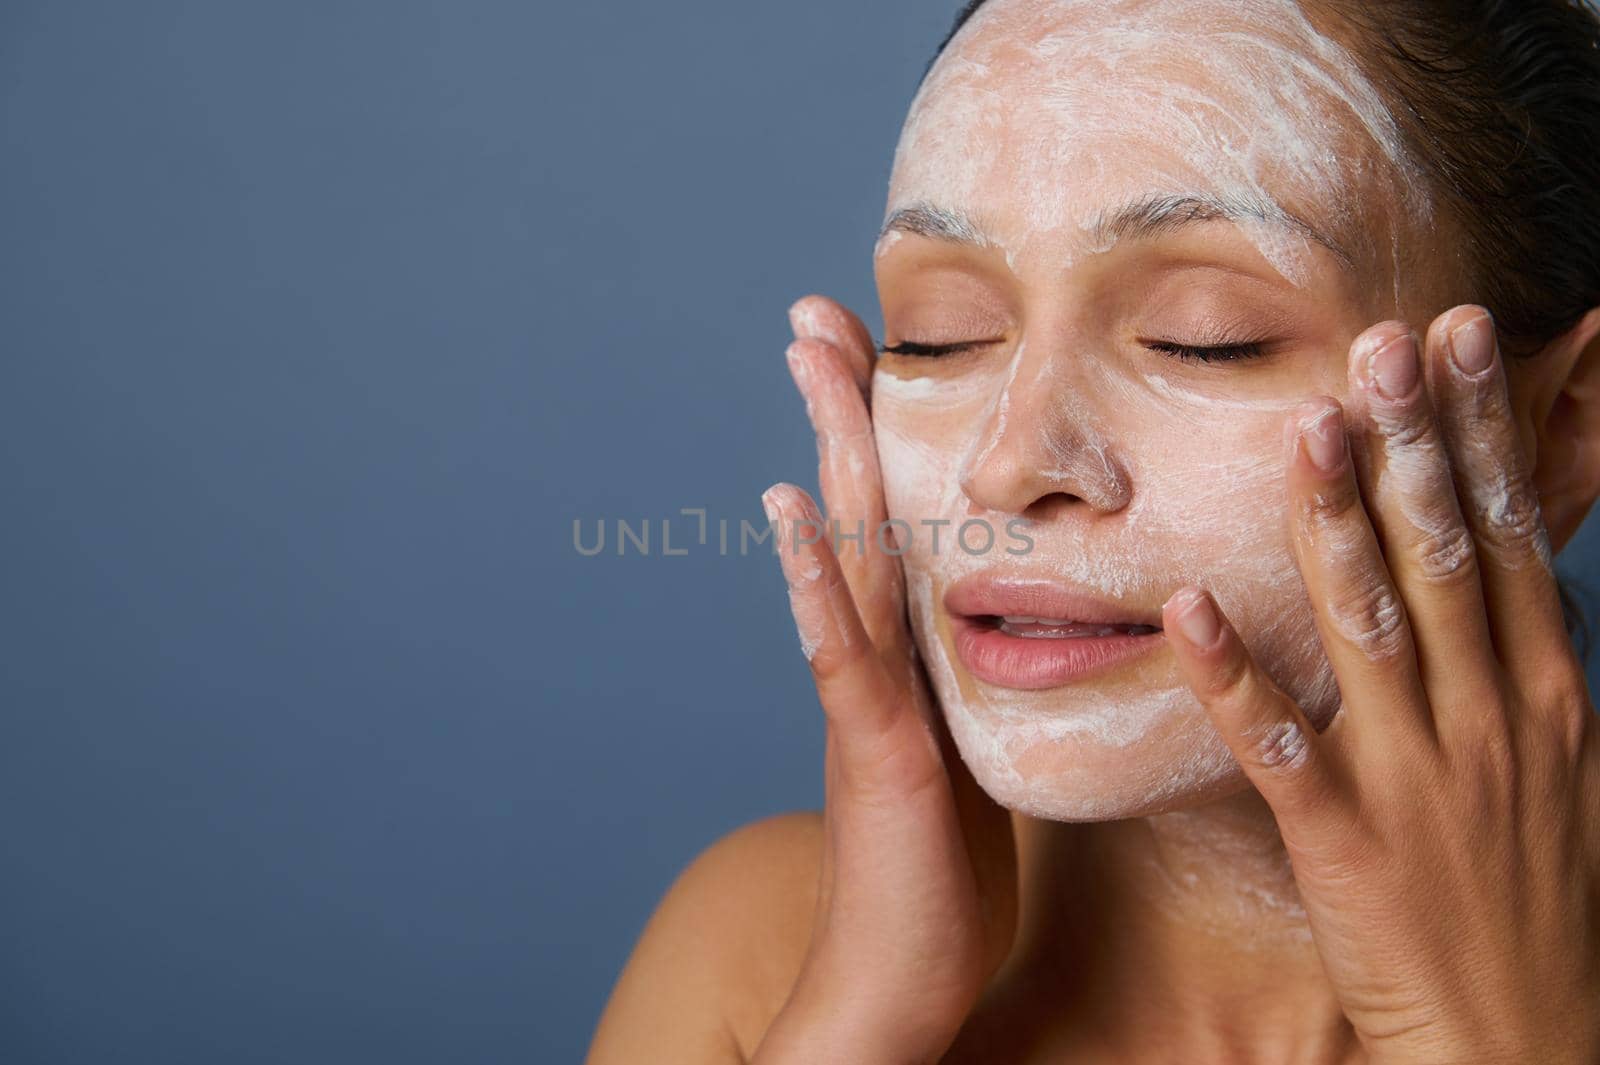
x,y
917,898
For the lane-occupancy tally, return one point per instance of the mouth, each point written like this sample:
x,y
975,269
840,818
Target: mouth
x,y
1026,628
1039,634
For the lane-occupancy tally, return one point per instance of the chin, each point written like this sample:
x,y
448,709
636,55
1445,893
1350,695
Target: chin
x,y
1085,756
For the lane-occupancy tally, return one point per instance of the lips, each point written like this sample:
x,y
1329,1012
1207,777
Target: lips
x,y
1037,634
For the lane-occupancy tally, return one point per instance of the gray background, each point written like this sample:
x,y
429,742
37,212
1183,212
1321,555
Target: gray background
x,y
321,323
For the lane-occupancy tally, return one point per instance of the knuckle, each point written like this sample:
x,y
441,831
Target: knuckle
x,y
1328,507
1446,554
1510,518
829,667
1410,431
1505,505
1372,619
1279,745
1418,470
1572,724
1567,712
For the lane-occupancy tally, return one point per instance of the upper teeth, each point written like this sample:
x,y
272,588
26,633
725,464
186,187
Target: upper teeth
x,y
1010,622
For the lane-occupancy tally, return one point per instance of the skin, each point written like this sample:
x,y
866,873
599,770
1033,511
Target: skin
x,y
1348,812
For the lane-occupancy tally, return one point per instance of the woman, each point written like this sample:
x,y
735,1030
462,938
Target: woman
x,y
1261,338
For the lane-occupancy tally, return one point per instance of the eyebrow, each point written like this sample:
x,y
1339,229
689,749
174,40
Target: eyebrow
x,y
1149,216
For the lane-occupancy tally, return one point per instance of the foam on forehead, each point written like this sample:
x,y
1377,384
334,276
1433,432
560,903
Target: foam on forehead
x,y
1064,108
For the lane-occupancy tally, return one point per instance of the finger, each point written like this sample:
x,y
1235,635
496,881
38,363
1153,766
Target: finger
x,y
825,319
882,741
1359,614
1276,746
852,489
1495,484
1406,481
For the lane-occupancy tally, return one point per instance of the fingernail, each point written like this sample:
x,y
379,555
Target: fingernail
x,y
802,319
1472,346
1393,368
784,531
770,505
1323,437
797,364
800,370
1199,622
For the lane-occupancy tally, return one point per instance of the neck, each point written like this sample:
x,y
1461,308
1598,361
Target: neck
x,y
1173,937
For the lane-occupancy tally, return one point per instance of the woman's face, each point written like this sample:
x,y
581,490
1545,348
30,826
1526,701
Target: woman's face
x,y
1083,192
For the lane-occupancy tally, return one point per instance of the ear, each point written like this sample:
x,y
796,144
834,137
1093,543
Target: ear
x,y
1566,427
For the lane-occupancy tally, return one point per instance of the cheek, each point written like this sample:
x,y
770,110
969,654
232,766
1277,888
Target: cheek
x,y
918,467
1223,512
1227,523
924,427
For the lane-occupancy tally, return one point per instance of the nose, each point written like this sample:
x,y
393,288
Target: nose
x,y
1043,442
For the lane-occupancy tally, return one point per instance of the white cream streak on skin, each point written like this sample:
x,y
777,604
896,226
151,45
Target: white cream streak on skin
x,y
984,443
1416,478
1209,406
1232,98
1189,848
808,600
1109,488
807,621
1501,506
929,393
886,242
843,463
814,604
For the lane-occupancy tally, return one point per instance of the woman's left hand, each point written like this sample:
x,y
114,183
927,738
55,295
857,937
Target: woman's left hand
x,y
1445,828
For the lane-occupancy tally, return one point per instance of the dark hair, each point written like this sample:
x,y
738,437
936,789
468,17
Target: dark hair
x,y
1499,104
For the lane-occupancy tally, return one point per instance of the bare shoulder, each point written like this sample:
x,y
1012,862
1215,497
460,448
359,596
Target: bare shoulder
x,y
767,872
717,957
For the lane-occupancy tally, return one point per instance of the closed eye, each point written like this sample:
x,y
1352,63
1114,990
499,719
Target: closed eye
x,y
911,347
1185,352
1218,353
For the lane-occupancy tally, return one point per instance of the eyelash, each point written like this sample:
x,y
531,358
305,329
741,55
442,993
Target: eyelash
x,y
1219,353
911,347
1184,352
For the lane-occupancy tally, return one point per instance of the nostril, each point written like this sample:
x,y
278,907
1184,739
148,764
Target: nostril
x,y
1023,467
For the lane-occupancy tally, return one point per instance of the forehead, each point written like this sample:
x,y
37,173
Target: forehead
x,y
1042,114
